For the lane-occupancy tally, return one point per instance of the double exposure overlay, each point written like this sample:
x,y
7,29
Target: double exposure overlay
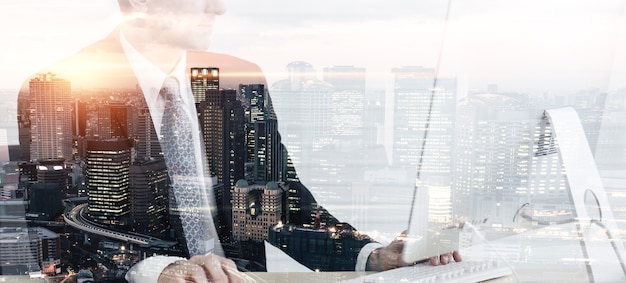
x,y
290,136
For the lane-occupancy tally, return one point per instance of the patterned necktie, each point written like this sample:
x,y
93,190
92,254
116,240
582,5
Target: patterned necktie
x,y
184,164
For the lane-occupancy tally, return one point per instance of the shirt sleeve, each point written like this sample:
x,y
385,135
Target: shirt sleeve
x,y
149,269
364,254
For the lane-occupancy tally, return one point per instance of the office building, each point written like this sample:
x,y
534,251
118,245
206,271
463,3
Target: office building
x,y
347,99
222,121
25,249
147,143
255,208
420,105
424,112
304,105
80,118
374,118
45,201
546,178
53,171
28,171
203,79
114,120
265,154
108,173
50,117
492,149
149,197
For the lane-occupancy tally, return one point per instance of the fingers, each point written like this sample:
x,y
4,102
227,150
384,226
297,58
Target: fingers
x,y
201,269
457,256
445,258
217,268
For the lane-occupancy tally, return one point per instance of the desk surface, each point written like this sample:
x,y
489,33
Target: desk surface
x,y
536,256
529,274
523,274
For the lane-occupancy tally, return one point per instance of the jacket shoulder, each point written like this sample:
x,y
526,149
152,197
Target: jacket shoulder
x,y
102,64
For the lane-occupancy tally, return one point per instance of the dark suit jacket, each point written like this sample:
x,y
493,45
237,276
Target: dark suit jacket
x,y
105,65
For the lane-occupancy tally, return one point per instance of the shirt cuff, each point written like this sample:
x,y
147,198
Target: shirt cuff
x,y
149,270
364,254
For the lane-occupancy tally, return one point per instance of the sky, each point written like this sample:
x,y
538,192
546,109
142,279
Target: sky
x,y
532,45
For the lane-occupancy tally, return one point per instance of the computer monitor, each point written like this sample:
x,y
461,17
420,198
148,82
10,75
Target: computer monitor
x,y
595,222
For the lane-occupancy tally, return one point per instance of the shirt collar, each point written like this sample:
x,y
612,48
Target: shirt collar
x,y
151,77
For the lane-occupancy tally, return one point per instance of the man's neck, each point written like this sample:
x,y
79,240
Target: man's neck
x,y
163,55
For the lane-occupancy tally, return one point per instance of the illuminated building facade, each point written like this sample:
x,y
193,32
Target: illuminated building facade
x,y
347,100
53,171
424,113
492,156
256,208
108,173
265,155
222,122
203,79
306,114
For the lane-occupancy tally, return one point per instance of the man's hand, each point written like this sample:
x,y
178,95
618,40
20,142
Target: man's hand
x,y
201,269
390,257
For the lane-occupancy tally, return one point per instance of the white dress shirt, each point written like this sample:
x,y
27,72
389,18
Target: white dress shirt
x,y
150,79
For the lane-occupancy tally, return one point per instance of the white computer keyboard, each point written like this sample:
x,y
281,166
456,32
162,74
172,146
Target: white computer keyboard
x,y
462,272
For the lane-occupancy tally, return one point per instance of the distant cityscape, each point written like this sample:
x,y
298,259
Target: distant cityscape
x,y
88,187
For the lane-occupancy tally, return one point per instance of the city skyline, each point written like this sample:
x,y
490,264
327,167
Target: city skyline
x,y
329,194
374,101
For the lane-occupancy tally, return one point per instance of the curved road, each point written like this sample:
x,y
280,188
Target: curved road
x,y
74,217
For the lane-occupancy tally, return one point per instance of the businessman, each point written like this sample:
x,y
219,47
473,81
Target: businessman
x,y
153,49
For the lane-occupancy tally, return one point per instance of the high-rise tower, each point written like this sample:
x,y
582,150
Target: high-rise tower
x,y
108,173
114,120
265,154
203,79
347,100
222,122
50,117
423,129
491,156
305,108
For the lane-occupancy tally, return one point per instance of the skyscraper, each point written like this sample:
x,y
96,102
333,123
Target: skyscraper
x,y
347,100
149,197
265,154
423,128
222,119
147,141
492,149
203,79
304,106
108,173
113,120
50,117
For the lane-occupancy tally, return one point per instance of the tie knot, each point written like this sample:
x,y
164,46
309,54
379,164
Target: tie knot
x,y
170,90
